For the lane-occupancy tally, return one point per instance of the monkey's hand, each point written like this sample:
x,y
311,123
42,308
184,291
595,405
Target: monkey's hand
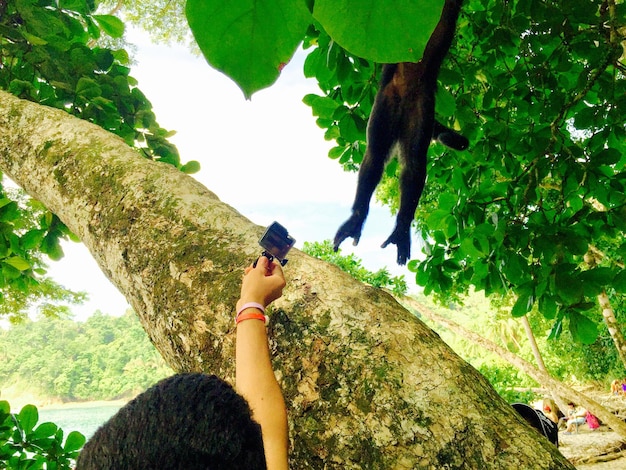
x,y
402,239
350,228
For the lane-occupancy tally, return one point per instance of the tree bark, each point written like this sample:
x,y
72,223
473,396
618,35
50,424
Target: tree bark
x,y
541,376
367,384
613,326
540,364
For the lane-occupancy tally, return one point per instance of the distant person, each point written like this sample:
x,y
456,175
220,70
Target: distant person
x,y
198,422
578,417
550,413
616,387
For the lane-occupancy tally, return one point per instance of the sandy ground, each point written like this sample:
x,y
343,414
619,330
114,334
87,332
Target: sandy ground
x,y
586,445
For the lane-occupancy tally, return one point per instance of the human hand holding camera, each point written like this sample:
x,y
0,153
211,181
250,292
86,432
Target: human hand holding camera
x,y
262,283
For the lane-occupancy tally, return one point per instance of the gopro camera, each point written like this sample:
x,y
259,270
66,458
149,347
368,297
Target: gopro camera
x,y
276,243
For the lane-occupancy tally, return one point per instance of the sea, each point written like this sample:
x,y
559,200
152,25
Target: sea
x,y
85,419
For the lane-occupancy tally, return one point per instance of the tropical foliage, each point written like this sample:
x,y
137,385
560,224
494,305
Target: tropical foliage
x,y
48,55
353,266
538,87
103,358
26,445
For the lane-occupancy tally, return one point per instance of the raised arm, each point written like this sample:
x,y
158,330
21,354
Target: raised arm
x,y
254,376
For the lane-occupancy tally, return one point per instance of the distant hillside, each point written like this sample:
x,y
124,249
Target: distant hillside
x,y
103,358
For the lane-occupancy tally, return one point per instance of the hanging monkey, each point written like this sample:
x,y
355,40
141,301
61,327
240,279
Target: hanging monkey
x,y
404,114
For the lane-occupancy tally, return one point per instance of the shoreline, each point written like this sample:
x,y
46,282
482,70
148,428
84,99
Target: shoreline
x,y
83,404
18,402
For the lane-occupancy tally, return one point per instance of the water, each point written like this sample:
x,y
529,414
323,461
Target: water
x,y
85,419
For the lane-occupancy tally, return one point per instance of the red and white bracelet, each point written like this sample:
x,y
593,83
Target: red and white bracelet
x,y
251,316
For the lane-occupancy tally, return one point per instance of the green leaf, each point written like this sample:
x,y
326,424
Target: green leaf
x,y
445,103
582,328
80,6
523,304
357,27
34,40
88,88
18,263
28,417
447,201
31,239
568,287
619,282
548,306
321,106
74,441
51,246
516,269
110,24
557,329
250,41
45,430
190,167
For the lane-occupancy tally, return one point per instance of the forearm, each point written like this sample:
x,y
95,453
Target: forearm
x,y
256,382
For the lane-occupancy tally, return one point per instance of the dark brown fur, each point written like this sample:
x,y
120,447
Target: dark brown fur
x,y
404,114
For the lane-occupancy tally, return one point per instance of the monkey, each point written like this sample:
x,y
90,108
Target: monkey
x,y
404,114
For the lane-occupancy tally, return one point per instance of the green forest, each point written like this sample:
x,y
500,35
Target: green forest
x,y
103,358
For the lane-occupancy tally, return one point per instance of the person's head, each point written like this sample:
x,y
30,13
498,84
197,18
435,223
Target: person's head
x,y
188,421
571,405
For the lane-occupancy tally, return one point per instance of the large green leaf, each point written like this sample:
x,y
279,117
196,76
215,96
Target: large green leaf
x,y
250,41
380,30
74,441
110,24
582,328
28,417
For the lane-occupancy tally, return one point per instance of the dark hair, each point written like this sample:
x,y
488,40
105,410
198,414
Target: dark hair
x,y
188,421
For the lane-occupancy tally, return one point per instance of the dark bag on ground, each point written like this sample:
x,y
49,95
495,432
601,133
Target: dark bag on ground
x,y
539,421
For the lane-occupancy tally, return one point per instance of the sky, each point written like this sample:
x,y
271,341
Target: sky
x,y
265,157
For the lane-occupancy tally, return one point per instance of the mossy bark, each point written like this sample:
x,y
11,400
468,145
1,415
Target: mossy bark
x,y
367,384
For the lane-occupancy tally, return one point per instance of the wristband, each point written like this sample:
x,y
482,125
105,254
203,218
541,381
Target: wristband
x,y
250,305
251,316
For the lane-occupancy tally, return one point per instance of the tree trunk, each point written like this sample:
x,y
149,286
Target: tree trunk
x,y
613,326
593,257
541,376
540,364
367,384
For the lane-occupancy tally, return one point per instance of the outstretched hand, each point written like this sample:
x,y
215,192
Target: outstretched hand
x,y
262,283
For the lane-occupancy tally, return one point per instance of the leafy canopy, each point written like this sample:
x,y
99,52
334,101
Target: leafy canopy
x,y
251,41
48,55
538,87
